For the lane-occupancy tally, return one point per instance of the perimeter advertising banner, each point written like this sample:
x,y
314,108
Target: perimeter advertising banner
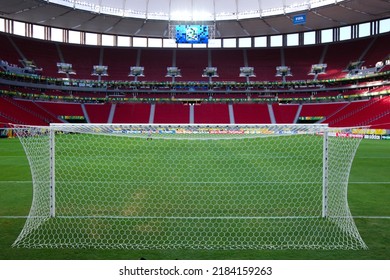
x,y
370,131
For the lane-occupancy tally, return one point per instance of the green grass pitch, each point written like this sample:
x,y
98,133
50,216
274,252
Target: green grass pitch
x,y
369,191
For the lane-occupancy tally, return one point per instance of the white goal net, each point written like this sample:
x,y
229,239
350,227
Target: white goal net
x,y
189,186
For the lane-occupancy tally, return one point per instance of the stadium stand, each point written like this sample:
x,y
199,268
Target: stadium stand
x,y
82,58
192,63
377,52
130,113
212,113
33,52
155,63
301,60
285,113
228,69
62,109
251,113
36,109
265,63
321,110
12,111
343,104
171,113
362,113
119,61
98,113
8,52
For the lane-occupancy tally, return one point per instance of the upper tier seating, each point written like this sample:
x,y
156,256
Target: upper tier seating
x,y
192,62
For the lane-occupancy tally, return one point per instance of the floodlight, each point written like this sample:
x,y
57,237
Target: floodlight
x,y
247,72
137,71
283,71
210,72
317,69
99,70
354,65
29,66
173,72
65,68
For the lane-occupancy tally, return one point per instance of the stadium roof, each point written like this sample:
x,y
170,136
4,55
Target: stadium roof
x,y
232,18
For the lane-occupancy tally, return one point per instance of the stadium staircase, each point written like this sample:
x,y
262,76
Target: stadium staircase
x,y
20,114
334,113
49,115
353,116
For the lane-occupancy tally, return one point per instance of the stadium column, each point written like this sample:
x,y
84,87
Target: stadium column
x,y
85,112
112,113
271,113
192,114
152,111
231,114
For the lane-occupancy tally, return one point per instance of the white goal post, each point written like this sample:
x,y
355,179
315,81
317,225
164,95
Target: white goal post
x,y
149,186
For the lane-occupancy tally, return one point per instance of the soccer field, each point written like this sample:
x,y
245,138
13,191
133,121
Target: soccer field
x,y
186,197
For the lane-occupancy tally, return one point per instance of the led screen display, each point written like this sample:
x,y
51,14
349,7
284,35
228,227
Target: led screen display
x,y
192,34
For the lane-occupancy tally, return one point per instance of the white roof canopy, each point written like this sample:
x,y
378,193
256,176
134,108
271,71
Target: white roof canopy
x,y
232,18
195,10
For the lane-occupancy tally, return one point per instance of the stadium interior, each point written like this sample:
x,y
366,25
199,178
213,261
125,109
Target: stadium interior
x,y
76,74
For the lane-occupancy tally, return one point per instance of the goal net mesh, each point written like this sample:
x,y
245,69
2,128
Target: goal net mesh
x,y
189,186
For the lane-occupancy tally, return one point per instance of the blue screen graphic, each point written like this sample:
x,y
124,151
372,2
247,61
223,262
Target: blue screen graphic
x,y
192,34
299,19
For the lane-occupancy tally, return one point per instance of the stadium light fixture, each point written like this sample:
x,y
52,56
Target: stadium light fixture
x,y
283,71
29,66
99,70
65,68
136,71
247,72
318,69
210,72
173,72
354,65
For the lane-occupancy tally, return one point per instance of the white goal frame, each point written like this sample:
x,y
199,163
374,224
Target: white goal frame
x,y
321,127
193,132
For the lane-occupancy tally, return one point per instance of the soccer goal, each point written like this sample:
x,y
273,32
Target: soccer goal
x,y
189,186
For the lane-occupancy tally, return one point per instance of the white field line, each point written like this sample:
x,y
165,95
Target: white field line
x,y
369,183
189,218
15,182
355,217
361,183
